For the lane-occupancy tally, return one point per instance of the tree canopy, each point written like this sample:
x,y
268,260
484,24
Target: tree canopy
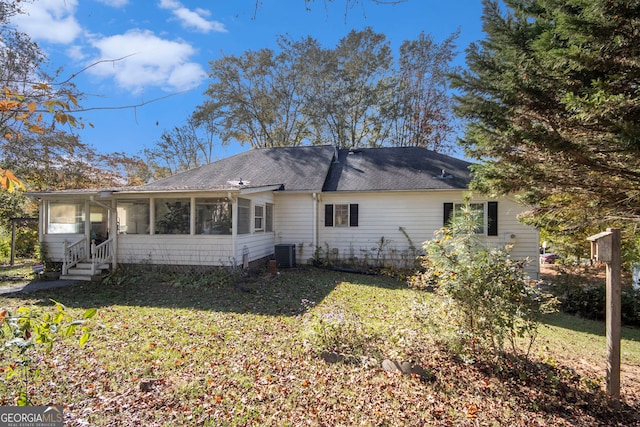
x,y
552,101
353,95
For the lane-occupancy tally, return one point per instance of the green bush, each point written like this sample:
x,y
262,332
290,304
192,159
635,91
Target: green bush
x,y
26,243
5,246
589,301
489,301
29,331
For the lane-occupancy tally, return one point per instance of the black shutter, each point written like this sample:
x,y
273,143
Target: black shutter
x,y
492,218
448,213
328,215
353,215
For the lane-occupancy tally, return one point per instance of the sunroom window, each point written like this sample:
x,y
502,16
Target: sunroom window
x,y
173,216
244,216
133,216
66,217
213,216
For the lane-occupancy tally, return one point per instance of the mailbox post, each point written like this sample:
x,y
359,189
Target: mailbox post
x,y
605,247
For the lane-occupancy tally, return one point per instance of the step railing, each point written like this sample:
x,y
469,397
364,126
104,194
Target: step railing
x,y
73,254
101,254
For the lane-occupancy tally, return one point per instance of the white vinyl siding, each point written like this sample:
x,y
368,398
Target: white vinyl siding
x,y
294,222
384,218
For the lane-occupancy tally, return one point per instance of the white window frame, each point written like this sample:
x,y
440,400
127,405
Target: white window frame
x,y
343,215
258,219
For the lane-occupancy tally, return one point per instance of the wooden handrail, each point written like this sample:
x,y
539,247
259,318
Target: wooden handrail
x,y
73,253
101,254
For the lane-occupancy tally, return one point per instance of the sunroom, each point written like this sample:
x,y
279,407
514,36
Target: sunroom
x,y
97,230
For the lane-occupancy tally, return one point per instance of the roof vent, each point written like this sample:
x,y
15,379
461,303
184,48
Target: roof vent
x,y
239,183
444,175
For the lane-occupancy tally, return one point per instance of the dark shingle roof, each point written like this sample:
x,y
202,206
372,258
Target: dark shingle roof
x,y
396,168
296,168
313,168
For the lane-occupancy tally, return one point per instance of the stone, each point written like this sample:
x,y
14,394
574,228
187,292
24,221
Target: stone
x,y
390,366
331,357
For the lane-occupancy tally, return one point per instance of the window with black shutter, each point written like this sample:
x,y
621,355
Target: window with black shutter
x,y
341,215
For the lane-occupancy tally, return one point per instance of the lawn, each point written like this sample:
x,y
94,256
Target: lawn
x,y
18,274
163,354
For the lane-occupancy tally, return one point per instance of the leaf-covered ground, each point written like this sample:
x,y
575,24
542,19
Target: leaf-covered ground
x,y
167,355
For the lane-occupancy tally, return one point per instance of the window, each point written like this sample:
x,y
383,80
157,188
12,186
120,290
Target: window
x,y
173,216
258,217
66,217
213,216
133,216
341,215
244,216
268,217
485,223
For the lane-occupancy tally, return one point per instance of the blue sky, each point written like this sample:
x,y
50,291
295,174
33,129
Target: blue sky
x,y
169,43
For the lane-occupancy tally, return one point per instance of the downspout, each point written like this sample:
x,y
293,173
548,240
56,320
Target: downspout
x,y
234,226
316,200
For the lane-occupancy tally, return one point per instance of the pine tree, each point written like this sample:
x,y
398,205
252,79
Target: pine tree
x,y
552,101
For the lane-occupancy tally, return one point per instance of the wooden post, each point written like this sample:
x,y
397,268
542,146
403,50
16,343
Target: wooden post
x,y
614,317
605,247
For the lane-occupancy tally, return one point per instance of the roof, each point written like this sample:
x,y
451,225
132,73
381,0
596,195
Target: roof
x,y
396,168
293,168
316,169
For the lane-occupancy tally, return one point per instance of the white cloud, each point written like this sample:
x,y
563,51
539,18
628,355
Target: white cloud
x,y
194,19
49,20
76,53
114,3
150,61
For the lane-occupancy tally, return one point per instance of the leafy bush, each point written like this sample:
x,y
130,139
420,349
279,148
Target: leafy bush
x,y
489,301
589,300
5,245
217,277
27,243
28,330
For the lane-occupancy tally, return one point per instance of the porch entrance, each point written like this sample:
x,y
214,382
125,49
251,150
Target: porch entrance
x,y
99,220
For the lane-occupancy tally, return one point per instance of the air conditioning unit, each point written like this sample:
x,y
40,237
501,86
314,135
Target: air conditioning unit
x,y
285,255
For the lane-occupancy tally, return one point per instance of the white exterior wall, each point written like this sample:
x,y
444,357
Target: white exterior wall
x,y
257,244
294,223
169,249
382,214
55,244
298,218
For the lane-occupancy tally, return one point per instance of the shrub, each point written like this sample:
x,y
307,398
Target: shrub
x,y
27,331
489,301
336,329
589,300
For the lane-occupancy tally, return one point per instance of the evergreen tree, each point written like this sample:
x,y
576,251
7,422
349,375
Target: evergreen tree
x,y
552,101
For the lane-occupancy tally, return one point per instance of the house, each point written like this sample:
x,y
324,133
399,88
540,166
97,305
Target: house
x,y
369,206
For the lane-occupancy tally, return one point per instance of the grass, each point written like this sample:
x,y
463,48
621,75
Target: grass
x,y
249,354
19,273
